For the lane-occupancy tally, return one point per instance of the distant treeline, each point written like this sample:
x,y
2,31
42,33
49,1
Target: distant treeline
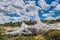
x,y
51,21
29,22
18,24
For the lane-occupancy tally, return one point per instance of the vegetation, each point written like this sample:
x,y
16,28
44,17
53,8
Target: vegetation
x,y
30,22
20,37
43,35
1,37
51,21
18,24
14,24
52,35
46,35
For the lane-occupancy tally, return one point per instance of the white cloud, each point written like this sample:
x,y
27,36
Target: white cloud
x,y
57,7
15,6
43,4
58,17
19,7
54,3
49,14
3,18
50,18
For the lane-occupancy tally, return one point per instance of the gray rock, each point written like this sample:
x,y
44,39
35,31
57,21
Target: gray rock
x,y
30,31
26,32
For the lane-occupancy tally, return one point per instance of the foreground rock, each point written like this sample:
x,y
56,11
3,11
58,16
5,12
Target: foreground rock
x,y
33,30
26,32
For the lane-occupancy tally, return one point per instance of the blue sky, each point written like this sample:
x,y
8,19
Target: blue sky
x,y
57,12
25,9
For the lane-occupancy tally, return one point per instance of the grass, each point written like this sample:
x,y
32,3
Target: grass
x,y
52,35
47,35
39,37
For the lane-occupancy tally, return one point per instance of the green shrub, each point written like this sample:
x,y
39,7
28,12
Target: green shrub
x,y
52,35
40,37
20,37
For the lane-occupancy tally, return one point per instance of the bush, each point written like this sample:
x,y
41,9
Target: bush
x,y
52,35
40,37
1,37
20,37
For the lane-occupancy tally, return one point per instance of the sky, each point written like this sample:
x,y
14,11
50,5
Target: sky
x,y
20,10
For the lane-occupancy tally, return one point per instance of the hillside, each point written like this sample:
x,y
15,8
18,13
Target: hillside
x,y
18,24
51,21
